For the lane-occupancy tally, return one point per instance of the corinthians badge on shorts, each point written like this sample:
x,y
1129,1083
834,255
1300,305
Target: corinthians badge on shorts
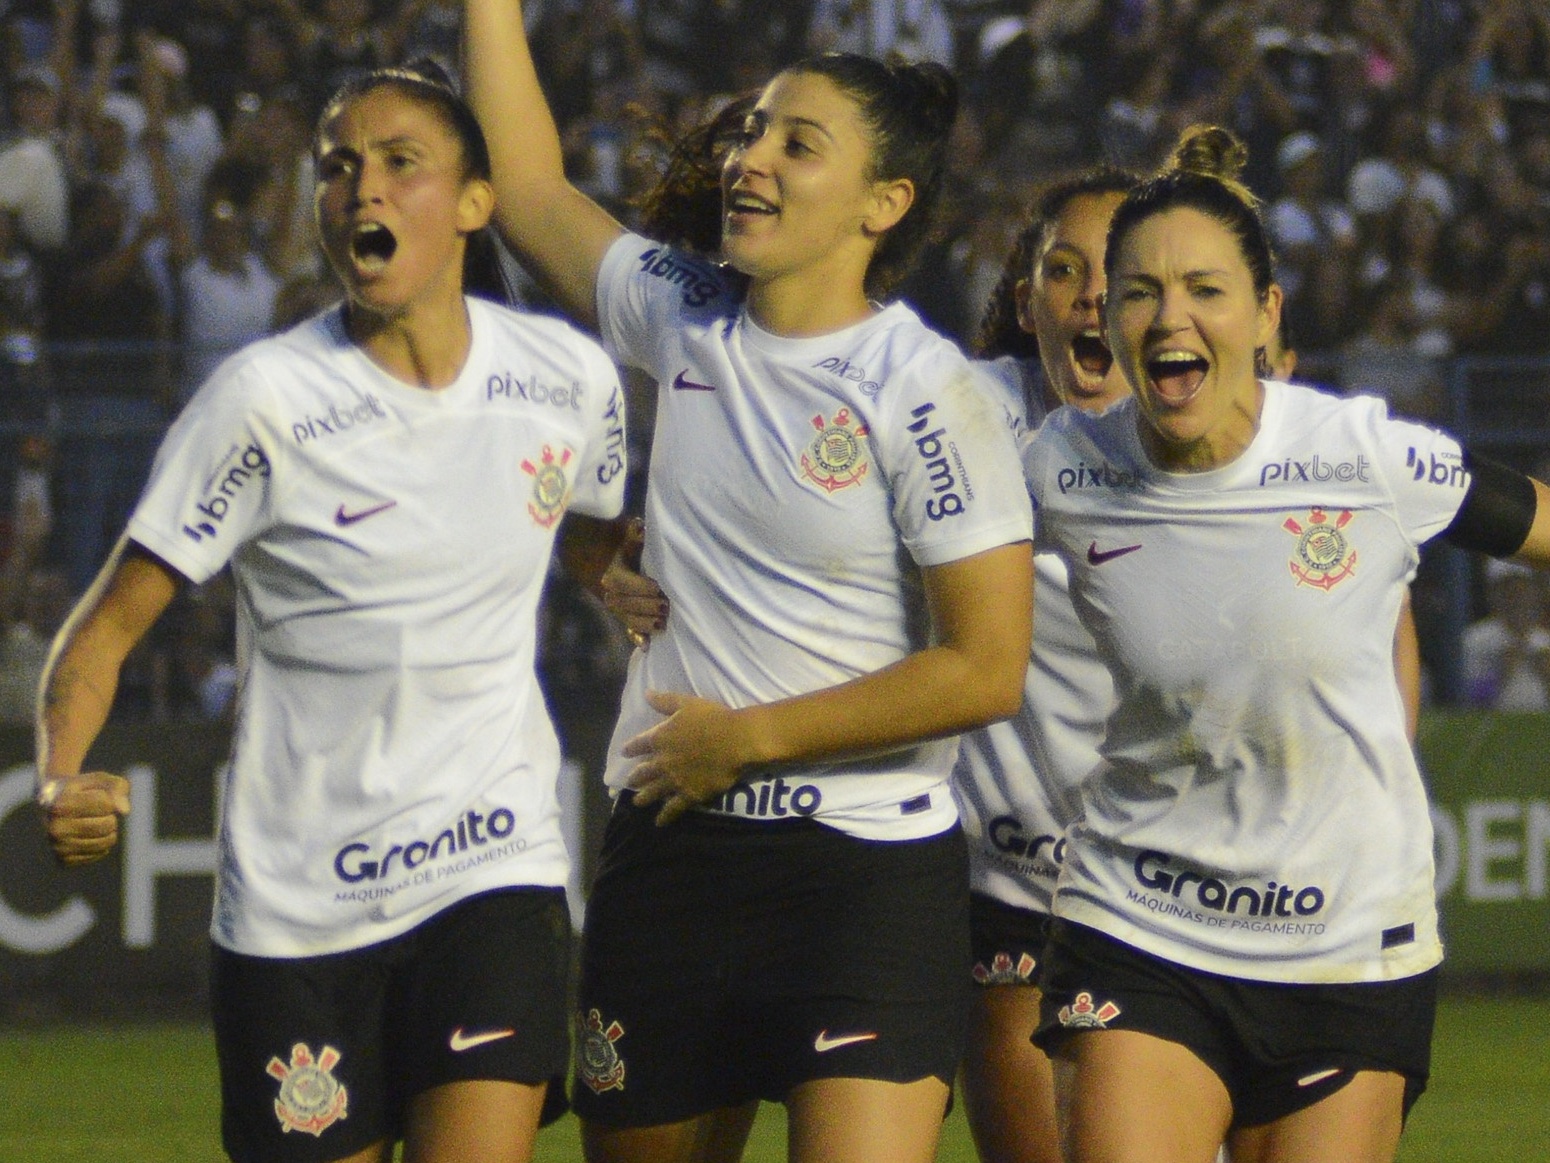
x,y
311,1099
549,486
1002,970
1081,1014
1324,557
837,456
600,1067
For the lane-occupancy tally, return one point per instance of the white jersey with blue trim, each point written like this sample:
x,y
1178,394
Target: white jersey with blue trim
x,y
1016,780
1258,812
796,487
392,751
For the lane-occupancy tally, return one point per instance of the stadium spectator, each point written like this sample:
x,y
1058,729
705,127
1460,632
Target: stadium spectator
x,y
1506,654
33,179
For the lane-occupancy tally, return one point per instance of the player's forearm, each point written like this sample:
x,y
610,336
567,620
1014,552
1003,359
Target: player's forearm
x,y
75,699
930,694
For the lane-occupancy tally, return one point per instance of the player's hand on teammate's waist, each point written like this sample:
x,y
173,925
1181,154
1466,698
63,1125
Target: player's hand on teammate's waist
x,y
630,595
81,814
691,756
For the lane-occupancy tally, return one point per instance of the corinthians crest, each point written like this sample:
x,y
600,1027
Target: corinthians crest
x,y
311,1099
549,486
601,1068
1324,557
836,458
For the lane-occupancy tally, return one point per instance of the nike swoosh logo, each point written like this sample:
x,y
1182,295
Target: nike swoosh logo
x,y
687,385
1097,557
461,1041
823,1043
342,518
1318,1076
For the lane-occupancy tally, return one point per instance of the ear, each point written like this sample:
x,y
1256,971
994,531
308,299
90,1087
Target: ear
x,y
1022,298
475,205
890,202
1269,316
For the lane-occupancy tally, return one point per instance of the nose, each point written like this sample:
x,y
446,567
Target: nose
x,y
1090,297
1172,314
368,184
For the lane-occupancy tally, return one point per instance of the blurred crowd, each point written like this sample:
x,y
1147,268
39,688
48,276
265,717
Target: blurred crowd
x,y
155,203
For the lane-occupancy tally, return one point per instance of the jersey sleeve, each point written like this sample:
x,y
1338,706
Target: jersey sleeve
x,y
211,484
952,464
598,490
644,289
1424,470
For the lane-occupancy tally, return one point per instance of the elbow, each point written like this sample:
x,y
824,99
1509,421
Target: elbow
x,y
998,692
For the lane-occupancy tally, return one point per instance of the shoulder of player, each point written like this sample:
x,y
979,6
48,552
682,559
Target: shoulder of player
x,y
694,284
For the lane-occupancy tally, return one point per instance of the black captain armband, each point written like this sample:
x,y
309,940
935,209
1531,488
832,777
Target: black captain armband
x,y
1498,508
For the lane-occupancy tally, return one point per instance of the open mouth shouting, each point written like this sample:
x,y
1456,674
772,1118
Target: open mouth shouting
x,y
372,246
1176,376
1091,355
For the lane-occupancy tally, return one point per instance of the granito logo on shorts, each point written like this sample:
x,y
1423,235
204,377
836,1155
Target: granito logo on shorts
x,y
1318,470
1152,870
1103,476
948,501
1437,469
1082,1014
337,419
355,862
311,1099
599,1065
773,798
239,467
851,373
509,387
697,284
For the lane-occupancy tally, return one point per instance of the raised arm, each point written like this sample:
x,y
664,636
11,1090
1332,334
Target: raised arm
x,y
76,694
982,607
558,232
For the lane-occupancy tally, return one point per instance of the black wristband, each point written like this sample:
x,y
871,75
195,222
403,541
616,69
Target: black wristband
x,y
1498,508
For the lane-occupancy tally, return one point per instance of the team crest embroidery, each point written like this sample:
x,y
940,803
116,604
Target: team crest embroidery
x,y
1003,971
601,1067
549,486
1081,1014
311,1099
1324,556
836,459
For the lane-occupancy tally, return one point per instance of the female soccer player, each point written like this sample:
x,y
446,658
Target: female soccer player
x,y
802,935
1016,781
385,482
1246,934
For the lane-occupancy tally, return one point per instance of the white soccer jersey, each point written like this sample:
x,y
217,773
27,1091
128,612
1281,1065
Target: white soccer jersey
x,y
1259,812
1016,781
392,754
795,485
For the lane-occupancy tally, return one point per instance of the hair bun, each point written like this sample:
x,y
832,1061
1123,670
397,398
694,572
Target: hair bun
x,y
1211,152
932,90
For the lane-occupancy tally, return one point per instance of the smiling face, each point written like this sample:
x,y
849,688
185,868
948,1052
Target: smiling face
x,y
799,201
1058,303
395,202
1184,322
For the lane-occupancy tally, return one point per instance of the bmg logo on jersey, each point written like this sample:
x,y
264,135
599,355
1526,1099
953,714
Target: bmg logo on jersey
x,y
1154,870
613,440
697,285
240,466
948,500
337,419
1444,469
1317,470
508,387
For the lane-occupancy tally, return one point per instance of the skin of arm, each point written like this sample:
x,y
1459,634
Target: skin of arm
x,y
81,810
558,232
588,548
982,607
1535,549
1407,666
